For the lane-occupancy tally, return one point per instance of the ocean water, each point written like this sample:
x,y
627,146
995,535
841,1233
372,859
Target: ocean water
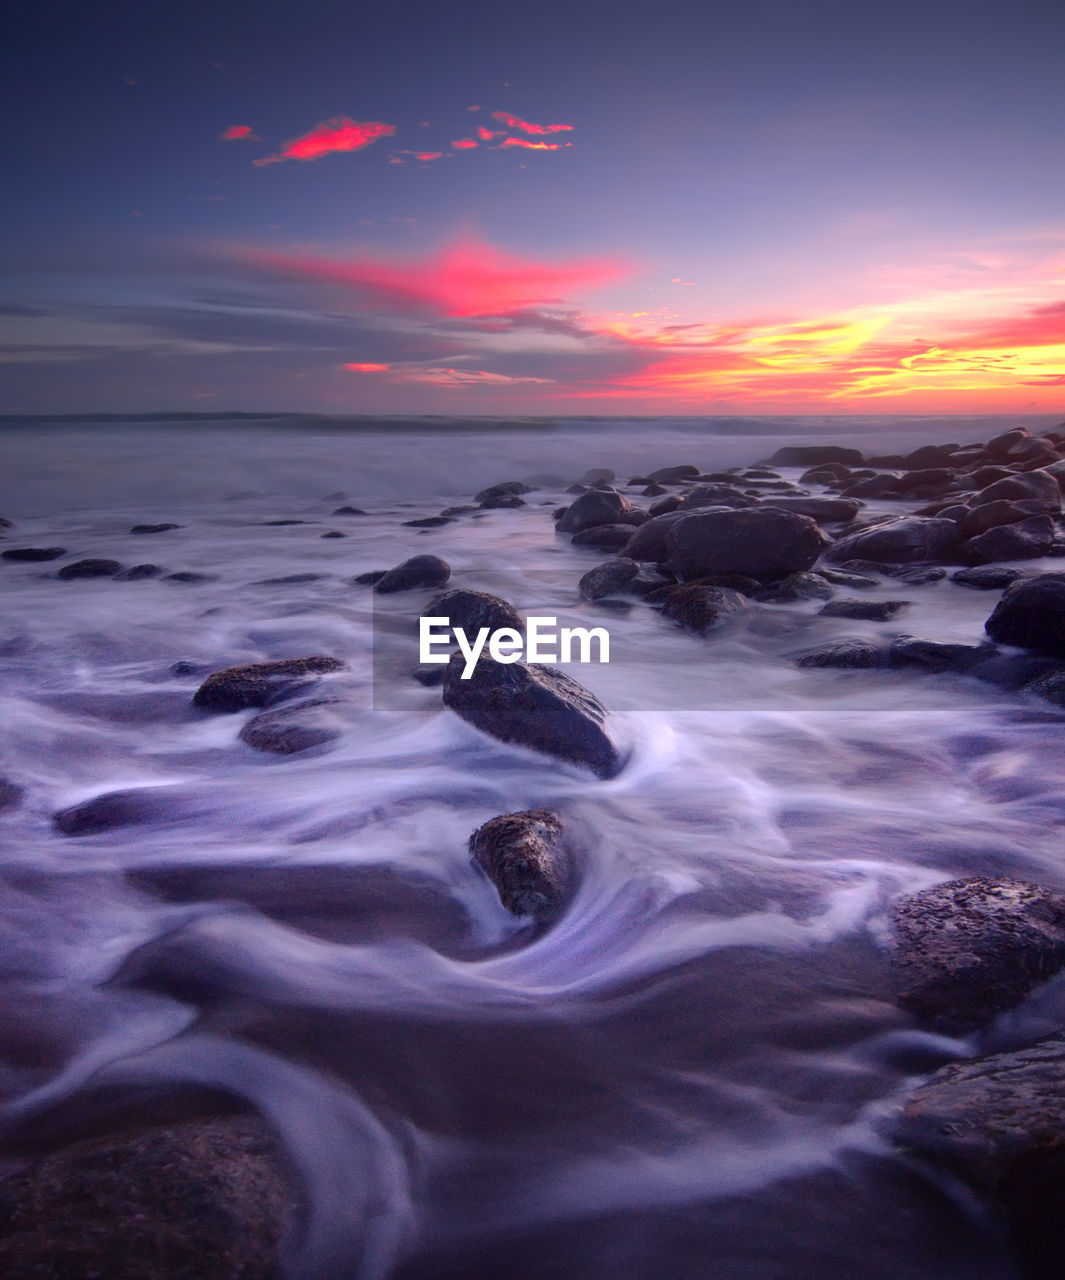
x,y
694,1071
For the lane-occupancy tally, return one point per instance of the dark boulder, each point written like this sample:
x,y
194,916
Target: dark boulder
x,y
525,857
290,580
798,586
189,576
988,515
813,455
885,486
10,795
715,495
674,475
906,540
535,707
826,473
597,506
823,510
1031,615
154,528
200,1200
260,684
139,572
920,576
350,511
1050,686
762,543
612,578
463,509
598,475
472,610
653,490
503,502
865,610
930,456
1033,486
116,809
937,655
664,505
966,950
604,537
508,489
297,726
89,569
369,578
1027,540
32,555
849,654
427,522
700,608
987,577
651,540
857,581
418,571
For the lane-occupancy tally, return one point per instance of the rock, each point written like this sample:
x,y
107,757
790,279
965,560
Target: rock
x,y
508,489
536,707
122,809
188,575
334,533
525,857
814,455
598,475
867,610
201,1200
369,578
1050,686
350,511
290,580
885,486
604,537
857,581
987,515
1000,445
278,524
762,543
1014,671
33,555
295,727
799,586
930,456
427,522
823,510
154,528
700,608
1033,486
826,473
653,490
1031,615
651,540
89,569
503,502
674,475
429,674
664,505
906,540
927,482
846,654
611,578
998,1123
418,571
966,950
937,655
715,495
987,577
260,684
138,572
459,511
10,795
920,577
1026,540
596,507
472,610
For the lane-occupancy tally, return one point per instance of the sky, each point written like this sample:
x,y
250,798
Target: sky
x,y
467,208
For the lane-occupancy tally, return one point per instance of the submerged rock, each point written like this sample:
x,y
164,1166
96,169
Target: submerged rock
x,y
201,1200
536,707
525,857
604,537
10,795
32,555
845,654
937,655
609,579
154,528
89,569
123,809
139,572
1031,615
418,571
508,489
762,543
968,949
867,610
295,727
699,608
259,684
596,507
799,586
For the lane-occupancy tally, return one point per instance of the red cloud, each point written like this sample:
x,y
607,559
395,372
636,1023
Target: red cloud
x,y
354,367
485,135
428,155
531,146
513,122
467,279
464,144
338,134
238,132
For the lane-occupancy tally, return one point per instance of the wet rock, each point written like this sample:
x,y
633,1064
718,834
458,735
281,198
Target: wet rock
x,y
1050,686
290,580
1026,540
279,524
674,475
536,707
937,655
866,610
650,542
418,571
429,674
1014,671
427,522
154,528
927,482
508,489
350,511
472,610
930,456
987,577
459,511
525,857
32,555
987,515
116,809
598,475
1031,615
966,950
700,608
596,507
715,495
664,505
295,727
653,490
843,578
762,543
369,578
609,579
921,576
1000,445
885,486
10,795
202,1200
906,540
260,684
334,533
826,473
139,572
823,510
89,569
813,455
1033,486
799,586
846,654
998,1123
604,537
190,576
502,502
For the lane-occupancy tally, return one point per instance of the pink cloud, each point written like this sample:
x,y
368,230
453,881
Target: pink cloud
x,y
464,144
428,155
339,134
357,367
531,146
238,133
515,122
486,135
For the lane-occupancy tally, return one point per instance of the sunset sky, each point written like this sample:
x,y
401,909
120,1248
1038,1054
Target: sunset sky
x,y
439,207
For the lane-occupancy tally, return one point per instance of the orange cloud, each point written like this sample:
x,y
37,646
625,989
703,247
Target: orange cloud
x,y
469,278
531,146
514,122
339,134
238,133
464,144
354,367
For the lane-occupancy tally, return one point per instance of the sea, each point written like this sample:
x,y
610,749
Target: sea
x,y
695,1071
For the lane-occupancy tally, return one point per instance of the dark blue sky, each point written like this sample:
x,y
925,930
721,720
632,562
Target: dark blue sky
x,y
824,206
